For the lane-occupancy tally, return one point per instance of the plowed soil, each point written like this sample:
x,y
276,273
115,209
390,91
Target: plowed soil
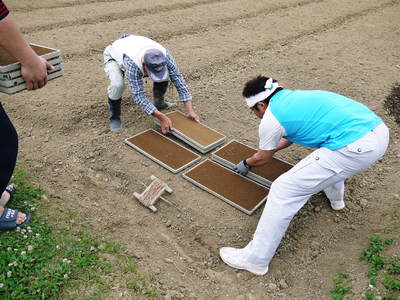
x,y
345,46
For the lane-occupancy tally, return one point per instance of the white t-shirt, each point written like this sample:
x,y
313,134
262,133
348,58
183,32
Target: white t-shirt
x,y
270,131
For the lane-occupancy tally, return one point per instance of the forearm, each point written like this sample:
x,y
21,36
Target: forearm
x,y
157,114
260,157
33,68
178,80
188,106
135,82
142,101
12,39
182,88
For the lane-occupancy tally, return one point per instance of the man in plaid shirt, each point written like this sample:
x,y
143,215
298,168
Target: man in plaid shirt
x,y
136,57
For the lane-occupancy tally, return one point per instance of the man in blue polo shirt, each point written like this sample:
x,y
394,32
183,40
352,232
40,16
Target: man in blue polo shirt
x,y
348,136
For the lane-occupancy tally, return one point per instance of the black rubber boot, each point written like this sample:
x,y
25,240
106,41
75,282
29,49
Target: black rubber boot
x,y
159,90
115,110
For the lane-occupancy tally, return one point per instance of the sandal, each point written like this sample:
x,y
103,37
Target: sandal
x,y
11,190
9,217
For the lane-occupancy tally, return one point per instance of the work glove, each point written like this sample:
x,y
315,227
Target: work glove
x,y
242,167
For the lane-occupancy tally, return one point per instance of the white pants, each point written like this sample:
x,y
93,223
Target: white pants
x,y
323,169
116,76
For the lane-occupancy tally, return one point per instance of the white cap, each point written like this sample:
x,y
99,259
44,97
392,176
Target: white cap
x,y
269,86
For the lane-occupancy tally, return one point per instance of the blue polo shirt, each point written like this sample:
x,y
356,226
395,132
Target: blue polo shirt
x,y
318,119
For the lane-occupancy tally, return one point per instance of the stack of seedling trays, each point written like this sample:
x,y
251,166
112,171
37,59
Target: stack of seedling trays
x,y
11,80
195,134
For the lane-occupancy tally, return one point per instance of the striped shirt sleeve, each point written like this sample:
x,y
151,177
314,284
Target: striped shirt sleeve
x,y
135,81
3,10
177,79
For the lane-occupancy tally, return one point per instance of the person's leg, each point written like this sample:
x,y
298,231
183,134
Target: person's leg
x,y
362,154
114,92
159,90
6,196
335,194
9,149
8,155
319,170
287,195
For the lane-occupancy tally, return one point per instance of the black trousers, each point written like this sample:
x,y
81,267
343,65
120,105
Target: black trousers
x,y
8,149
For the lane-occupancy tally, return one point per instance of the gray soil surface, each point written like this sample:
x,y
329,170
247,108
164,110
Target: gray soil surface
x,y
345,46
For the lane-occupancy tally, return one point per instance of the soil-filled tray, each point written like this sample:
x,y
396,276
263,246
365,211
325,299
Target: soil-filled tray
x,y
197,135
225,184
234,151
162,150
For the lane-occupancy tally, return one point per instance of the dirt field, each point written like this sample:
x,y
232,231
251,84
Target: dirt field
x,y
345,46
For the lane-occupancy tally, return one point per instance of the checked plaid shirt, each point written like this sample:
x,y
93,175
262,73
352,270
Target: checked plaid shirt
x,y
135,81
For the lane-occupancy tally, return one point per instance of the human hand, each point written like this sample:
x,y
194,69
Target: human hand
x,y
35,72
166,124
192,115
242,167
190,112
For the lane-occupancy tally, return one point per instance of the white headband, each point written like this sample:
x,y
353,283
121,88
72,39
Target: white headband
x,y
269,86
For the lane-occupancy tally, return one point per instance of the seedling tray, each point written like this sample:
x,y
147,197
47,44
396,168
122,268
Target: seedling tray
x,y
162,150
56,62
240,192
233,152
11,80
195,134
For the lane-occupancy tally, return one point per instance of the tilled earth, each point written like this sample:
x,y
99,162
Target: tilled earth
x,y
349,47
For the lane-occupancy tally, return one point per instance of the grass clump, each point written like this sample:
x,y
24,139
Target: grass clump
x,y
61,261
383,273
341,286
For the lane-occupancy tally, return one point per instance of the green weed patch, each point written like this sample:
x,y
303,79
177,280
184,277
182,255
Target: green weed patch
x,y
383,273
341,286
374,257
42,261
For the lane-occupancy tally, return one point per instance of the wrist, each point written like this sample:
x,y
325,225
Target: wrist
x,y
188,105
245,164
157,114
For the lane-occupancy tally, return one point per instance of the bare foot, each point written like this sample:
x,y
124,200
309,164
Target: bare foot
x,y
5,197
21,217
